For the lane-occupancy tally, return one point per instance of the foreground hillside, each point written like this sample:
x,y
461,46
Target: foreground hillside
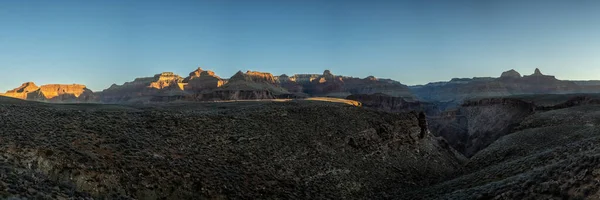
x,y
555,155
295,149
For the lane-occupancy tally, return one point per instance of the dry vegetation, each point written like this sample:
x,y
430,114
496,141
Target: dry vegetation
x,y
300,149
296,149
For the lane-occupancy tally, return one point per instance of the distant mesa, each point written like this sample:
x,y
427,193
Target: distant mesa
x,y
51,92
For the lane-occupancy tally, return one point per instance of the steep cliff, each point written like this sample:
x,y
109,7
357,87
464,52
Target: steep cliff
x,y
477,123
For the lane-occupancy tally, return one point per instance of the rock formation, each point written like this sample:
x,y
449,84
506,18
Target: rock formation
x,y
242,86
328,85
253,76
537,72
52,93
200,80
291,84
22,91
510,74
144,87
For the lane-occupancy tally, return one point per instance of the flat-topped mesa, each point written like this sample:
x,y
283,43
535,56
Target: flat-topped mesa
x,y
51,92
511,74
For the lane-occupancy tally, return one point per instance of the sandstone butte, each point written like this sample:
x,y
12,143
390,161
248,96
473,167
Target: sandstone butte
x,y
31,91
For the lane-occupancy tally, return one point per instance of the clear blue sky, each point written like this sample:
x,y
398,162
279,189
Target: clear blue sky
x,y
98,43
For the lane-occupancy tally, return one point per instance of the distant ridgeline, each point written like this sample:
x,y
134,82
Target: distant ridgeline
x,y
203,85
509,83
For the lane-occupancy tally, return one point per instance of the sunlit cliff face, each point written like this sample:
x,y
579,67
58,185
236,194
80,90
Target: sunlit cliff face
x,y
46,91
54,90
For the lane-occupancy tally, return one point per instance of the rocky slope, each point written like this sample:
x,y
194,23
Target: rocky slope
x,y
551,155
478,123
241,150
